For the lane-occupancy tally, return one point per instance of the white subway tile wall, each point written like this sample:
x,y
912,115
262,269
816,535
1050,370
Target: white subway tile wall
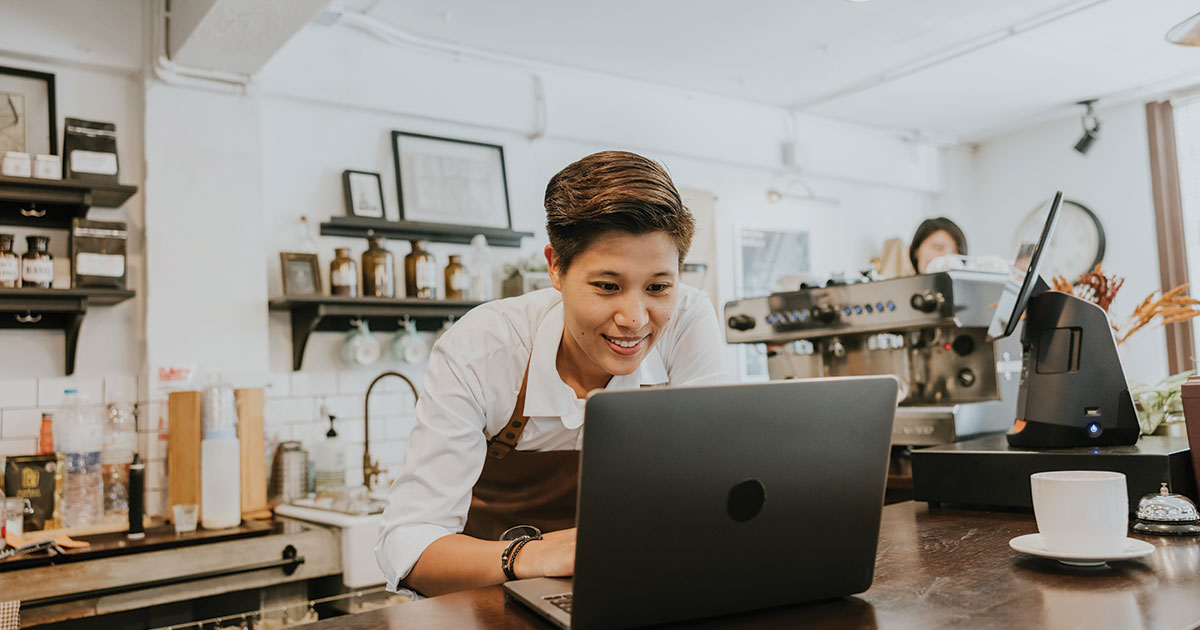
x,y
292,411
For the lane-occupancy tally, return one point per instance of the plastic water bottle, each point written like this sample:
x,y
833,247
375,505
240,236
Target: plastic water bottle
x,y
220,461
115,458
81,438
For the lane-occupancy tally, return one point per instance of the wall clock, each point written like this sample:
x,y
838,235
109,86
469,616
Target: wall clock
x,y
1077,245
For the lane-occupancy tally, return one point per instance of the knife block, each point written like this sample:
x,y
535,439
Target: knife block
x,y
186,429
250,438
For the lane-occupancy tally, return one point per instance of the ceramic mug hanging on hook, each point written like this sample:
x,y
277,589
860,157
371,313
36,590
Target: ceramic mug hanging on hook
x,y
408,346
359,347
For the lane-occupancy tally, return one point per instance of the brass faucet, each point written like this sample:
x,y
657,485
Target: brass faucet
x,y
371,469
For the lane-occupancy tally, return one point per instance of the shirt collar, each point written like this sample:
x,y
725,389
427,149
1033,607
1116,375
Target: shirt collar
x,y
546,395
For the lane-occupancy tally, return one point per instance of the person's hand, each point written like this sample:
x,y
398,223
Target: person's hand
x,y
552,556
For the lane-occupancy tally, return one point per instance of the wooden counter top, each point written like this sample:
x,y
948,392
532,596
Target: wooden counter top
x,y
939,568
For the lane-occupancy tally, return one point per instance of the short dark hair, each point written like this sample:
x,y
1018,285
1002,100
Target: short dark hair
x,y
613,190
928,227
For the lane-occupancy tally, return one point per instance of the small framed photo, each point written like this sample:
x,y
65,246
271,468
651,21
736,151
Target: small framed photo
x,y
301,274
27,112
364,194
443,180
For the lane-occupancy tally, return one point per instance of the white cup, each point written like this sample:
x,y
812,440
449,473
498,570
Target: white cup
x,y
1083,512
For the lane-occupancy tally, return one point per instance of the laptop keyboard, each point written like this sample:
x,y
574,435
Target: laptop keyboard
x,y
563,601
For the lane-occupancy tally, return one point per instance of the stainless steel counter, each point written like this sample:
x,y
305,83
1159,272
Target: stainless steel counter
x,y
115,575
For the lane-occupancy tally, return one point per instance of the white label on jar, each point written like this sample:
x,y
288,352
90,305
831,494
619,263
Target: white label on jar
x,y
93,162
39,271
458,280
426,274
107,265
344,277
10,270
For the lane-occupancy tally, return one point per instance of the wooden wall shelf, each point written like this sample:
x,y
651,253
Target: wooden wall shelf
x,y
52,203
414,230
55,309
315,313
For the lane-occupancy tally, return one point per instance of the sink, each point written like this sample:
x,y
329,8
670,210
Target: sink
x,y
357,532
329,504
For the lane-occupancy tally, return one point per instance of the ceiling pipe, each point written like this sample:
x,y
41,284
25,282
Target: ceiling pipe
x,y
170,72
952,53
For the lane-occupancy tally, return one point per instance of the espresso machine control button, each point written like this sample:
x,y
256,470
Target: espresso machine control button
x,y
966,377
741,322
963,345
926,302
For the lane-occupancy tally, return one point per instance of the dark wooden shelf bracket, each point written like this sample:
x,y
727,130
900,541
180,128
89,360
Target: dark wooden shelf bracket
x,y
340,314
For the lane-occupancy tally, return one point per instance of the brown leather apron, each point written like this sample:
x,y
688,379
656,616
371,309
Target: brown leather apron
x,y
522,487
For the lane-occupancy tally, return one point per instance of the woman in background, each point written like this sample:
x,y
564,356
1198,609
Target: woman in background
x,y
935,238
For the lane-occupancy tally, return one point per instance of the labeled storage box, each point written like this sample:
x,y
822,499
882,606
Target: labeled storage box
x,y
98,251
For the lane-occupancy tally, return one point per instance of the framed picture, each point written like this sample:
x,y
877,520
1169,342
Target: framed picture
x,y
301,274
441,180
364,194
27,117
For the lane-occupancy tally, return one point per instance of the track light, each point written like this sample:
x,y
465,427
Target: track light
x,y
1091,128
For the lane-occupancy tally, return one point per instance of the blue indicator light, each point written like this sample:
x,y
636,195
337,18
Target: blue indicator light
x,y
847,310
891,306
803,316
879,307
868,308
858,310
769,319
1094,429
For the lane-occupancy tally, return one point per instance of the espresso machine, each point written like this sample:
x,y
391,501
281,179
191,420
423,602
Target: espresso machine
x,y
929,331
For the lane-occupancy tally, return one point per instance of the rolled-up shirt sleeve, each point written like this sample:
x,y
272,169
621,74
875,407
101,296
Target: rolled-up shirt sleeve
x,y
444,456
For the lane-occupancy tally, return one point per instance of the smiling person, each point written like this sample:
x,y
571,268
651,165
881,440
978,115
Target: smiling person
x,y
499,426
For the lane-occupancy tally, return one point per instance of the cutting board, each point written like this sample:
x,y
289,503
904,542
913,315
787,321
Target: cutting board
x,y
186,428
250,437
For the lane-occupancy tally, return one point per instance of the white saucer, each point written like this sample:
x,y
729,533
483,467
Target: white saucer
x,y
1033,544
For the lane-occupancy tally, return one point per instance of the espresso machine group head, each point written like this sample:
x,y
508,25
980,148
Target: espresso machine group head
x,y
1073,390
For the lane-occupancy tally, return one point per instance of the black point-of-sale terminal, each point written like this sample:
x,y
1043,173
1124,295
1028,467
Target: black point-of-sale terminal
x,y
1073,390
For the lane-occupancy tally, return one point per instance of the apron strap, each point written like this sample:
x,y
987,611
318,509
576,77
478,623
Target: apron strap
x,y
505,441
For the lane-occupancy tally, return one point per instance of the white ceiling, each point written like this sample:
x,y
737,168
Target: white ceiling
x,y
954,68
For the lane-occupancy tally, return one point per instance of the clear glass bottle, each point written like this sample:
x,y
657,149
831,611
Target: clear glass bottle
x,y
80,437
37,265
420,273
343,274
456,280
479,268
306,243
378,268
115,459
10,263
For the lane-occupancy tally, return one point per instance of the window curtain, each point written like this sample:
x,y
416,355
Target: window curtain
x,y
1168,214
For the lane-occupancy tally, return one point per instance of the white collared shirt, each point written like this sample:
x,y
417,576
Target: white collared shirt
x,y
471,386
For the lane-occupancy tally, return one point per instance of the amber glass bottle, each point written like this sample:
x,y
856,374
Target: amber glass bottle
x,y
10,263
456,279
37,265
378,267
420,273
343,274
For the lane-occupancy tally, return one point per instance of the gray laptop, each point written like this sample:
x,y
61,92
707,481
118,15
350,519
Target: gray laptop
x,y
704,501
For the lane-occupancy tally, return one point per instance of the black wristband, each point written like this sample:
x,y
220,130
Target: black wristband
x,y
510,555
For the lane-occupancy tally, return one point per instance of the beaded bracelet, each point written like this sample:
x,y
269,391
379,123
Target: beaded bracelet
x,y
509,557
